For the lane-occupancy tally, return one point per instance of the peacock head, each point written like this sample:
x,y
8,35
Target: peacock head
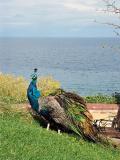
x,y
34,75
35,70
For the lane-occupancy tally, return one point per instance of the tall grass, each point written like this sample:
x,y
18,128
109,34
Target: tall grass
x,y
47,85
13,89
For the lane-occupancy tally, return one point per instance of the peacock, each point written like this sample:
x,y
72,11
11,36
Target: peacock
x,y
68,112
64,110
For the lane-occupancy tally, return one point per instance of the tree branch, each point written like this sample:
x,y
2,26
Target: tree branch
x,y
112,6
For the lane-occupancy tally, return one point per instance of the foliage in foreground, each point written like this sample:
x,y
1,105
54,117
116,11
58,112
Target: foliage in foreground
x,y
22,139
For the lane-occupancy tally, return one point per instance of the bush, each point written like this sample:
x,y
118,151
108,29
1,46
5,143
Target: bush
x,y
13,89
101,99
47,85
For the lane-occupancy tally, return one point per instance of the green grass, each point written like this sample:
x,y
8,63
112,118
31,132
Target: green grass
x,y
22,138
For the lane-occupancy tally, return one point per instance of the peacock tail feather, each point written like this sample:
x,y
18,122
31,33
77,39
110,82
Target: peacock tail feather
x,y
80,119
69,110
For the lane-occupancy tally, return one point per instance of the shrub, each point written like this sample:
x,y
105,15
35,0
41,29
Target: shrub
x,y
47,85
13,88
101,99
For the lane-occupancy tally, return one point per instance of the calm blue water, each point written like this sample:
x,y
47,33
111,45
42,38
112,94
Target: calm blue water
x,y
85,65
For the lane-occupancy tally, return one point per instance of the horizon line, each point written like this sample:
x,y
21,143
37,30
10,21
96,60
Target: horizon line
x,y
56,37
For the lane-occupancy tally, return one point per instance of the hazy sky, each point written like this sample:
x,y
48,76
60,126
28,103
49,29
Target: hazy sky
x,y
46,18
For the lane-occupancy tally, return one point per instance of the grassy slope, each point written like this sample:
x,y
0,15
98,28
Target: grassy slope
x,y
23,139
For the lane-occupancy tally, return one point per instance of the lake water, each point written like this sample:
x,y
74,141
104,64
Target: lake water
x,y
85,65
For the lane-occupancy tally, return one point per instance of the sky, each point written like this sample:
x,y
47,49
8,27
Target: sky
x,y
54,18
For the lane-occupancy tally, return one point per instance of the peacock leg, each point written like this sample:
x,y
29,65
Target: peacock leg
x,y
48,126
59,132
